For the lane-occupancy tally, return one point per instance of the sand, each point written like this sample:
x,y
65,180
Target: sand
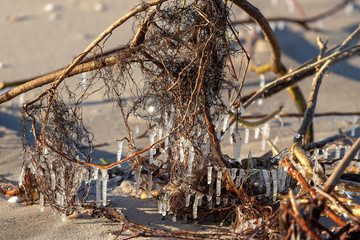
x,y
37,37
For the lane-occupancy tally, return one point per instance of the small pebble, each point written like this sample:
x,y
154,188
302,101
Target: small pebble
x,y
99,7
14,199
50,7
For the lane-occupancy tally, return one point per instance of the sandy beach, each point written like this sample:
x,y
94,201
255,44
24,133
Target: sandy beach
x,y
37,37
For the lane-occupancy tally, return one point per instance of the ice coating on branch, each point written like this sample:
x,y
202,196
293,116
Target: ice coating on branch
x,y
266,175
138,179
104,179
149,184
237,145
218,183
337,151
120,146
209,173
41,201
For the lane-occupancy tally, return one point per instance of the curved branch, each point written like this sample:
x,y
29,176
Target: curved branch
x,y
260,20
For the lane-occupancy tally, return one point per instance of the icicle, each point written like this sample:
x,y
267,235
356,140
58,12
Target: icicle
x,y
195,205
247,134
232,202
217,200
211,190
182,149
325,153
347,148
149,184
275,183
357,155
281,25
84,81
96,173
219,126
138,179
21,99
209,175
104,179
267,182
98,186
207,146
21,176
164,208
120,145
353,123
225,201
218,183
256,134
191,160
337,151
152,149
200,199
281,179
187,199
262,80
173,218
316,169
137,127
226,122
237,145
41,200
